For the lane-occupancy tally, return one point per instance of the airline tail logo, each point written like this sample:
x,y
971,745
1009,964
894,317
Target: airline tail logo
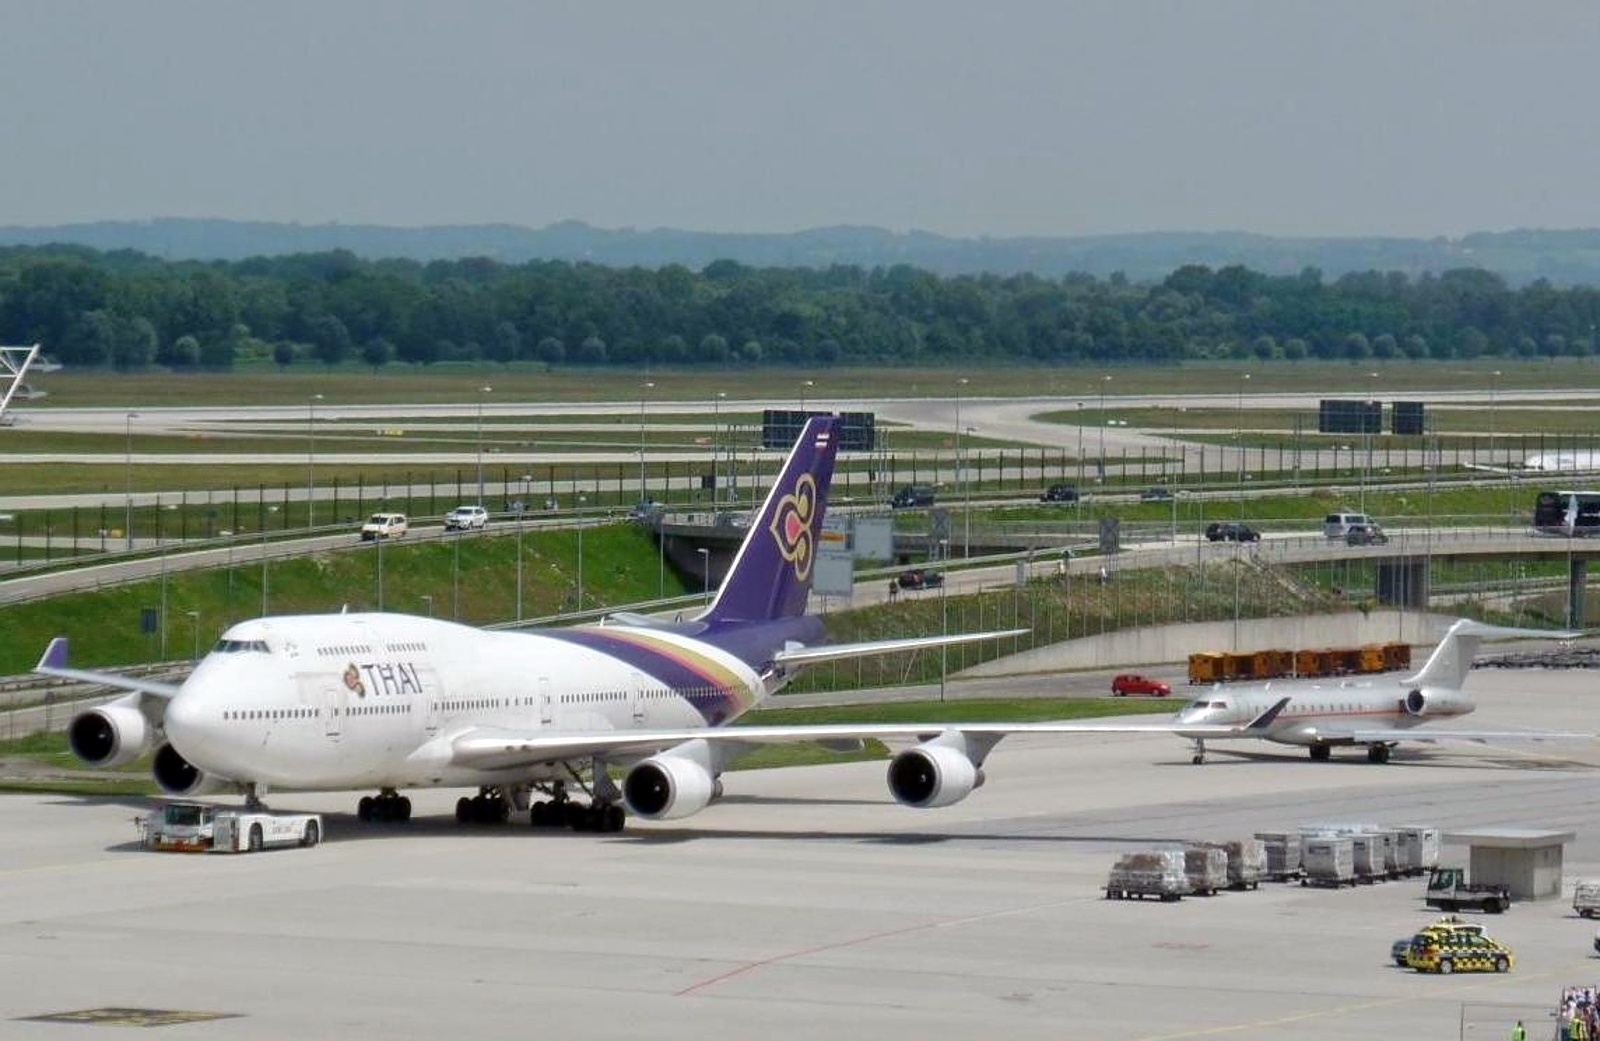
x,y
791,525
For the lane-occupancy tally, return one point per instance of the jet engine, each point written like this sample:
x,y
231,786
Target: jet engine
x,y
1420,702
667,787
931,775
177,776
111,735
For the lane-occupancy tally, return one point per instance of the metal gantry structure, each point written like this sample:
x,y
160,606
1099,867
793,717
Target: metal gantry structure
x,y
14,365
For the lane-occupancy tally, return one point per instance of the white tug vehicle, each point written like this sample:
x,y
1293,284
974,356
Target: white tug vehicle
x,y
199,827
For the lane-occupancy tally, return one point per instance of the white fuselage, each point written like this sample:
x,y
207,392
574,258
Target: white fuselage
x,y
1319,711
375,700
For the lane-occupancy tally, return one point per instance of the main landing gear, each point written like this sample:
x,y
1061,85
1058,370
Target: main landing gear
x,y
389,807
489,806
1378,753
1321,753
601,815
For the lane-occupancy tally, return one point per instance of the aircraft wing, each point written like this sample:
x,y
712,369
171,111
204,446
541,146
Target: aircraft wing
x,y
54,663
491,749
841,651
1430,735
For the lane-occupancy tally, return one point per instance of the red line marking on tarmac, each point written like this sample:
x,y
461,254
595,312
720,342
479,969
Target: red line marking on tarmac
x,y
762,963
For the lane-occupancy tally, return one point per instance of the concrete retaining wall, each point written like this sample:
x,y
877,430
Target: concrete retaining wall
x,y
1166,644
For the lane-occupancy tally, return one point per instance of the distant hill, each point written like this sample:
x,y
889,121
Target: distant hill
x,y
1563,257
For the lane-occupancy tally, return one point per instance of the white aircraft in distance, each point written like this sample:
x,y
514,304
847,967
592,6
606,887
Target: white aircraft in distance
x,y
394,701
1377,712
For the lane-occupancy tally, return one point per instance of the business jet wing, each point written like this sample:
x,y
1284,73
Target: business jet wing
x,y
873,648
494,749
54,663
1431,735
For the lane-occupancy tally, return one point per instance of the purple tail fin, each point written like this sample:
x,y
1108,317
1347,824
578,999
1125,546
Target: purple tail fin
x,y
771,575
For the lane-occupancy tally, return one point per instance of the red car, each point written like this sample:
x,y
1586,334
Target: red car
x,y
1133,683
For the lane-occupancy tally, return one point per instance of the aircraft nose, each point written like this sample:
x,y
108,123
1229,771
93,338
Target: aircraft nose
x,y
185,720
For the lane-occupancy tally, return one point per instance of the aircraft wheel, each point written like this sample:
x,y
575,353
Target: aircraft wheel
x,y
402,807
256,840
1197,759
1321,753
615,818
313,834
464,810
364,808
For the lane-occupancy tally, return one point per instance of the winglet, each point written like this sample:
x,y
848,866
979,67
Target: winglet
x,y
55,655
1264,720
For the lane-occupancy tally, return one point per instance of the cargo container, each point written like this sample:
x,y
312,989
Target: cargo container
x,y
1157,873
1205,667
1282,849
1207,869
1247,861
1327,861
1418,849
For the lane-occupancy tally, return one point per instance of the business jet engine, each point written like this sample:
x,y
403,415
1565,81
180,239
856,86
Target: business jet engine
x,y
1419,702
177,776
931,775
110,735
668,786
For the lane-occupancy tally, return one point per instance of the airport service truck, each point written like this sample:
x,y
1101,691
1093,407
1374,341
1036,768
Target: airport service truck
x,y
1449,890
198,827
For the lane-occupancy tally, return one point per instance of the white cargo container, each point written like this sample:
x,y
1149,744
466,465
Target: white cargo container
x,y
1282,850
1586,899
1418,848
1328,861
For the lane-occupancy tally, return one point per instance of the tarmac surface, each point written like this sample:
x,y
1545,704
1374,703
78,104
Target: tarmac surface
x,y
807,904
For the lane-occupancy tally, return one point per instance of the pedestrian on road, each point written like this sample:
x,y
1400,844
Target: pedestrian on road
x,y
894,590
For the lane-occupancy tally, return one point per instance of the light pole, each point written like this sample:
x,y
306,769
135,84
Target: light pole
x,y
427,598
1366,432
1078,499
1100,464
705,570
311,461
716,445
127,509
944,621
481,392
961,474
195,617
1238,438
644,392
805,386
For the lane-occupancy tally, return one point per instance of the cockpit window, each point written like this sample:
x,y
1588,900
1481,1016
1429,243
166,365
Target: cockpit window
x,y
226,646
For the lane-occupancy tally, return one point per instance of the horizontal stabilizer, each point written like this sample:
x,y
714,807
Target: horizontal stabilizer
x,y
842,651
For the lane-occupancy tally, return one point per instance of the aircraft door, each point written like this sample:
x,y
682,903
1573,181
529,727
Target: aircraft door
x,y
432,697
326,693
638,699
546,709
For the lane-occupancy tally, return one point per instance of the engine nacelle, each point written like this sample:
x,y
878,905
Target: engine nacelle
x,y
930,775
111,735
1419,702
667,787
177,776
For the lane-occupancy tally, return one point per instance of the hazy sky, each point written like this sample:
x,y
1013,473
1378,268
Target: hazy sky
x,y
1342,117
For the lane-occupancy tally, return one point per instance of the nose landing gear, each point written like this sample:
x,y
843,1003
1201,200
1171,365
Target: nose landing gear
x,y
1199,751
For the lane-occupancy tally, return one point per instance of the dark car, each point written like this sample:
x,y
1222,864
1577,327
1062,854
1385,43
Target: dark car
x,y
1156,494
912,495
1368,534
917,578
1232,531
1059,493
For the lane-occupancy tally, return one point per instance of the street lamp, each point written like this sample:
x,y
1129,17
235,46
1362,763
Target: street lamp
x,y
311,461
1238,437
1366,432
716,444
805,386
961,474
195,617
481,392
127,520
1078,506
428,599
644,392
705,570
1101,463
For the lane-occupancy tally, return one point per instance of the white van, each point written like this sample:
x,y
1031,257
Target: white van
x,y
1337,525
384,526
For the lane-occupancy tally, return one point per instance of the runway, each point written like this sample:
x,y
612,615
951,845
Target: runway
x,y
806,904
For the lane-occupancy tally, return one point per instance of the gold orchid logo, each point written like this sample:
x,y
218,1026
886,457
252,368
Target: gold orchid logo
x,y
791,525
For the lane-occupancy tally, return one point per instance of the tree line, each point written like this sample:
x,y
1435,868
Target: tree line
x,y
128,310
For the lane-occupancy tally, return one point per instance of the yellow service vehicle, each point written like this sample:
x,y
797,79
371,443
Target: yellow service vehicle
x,y
1458,950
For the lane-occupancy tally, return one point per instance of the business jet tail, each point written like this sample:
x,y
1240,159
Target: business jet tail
x,y
1448,665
